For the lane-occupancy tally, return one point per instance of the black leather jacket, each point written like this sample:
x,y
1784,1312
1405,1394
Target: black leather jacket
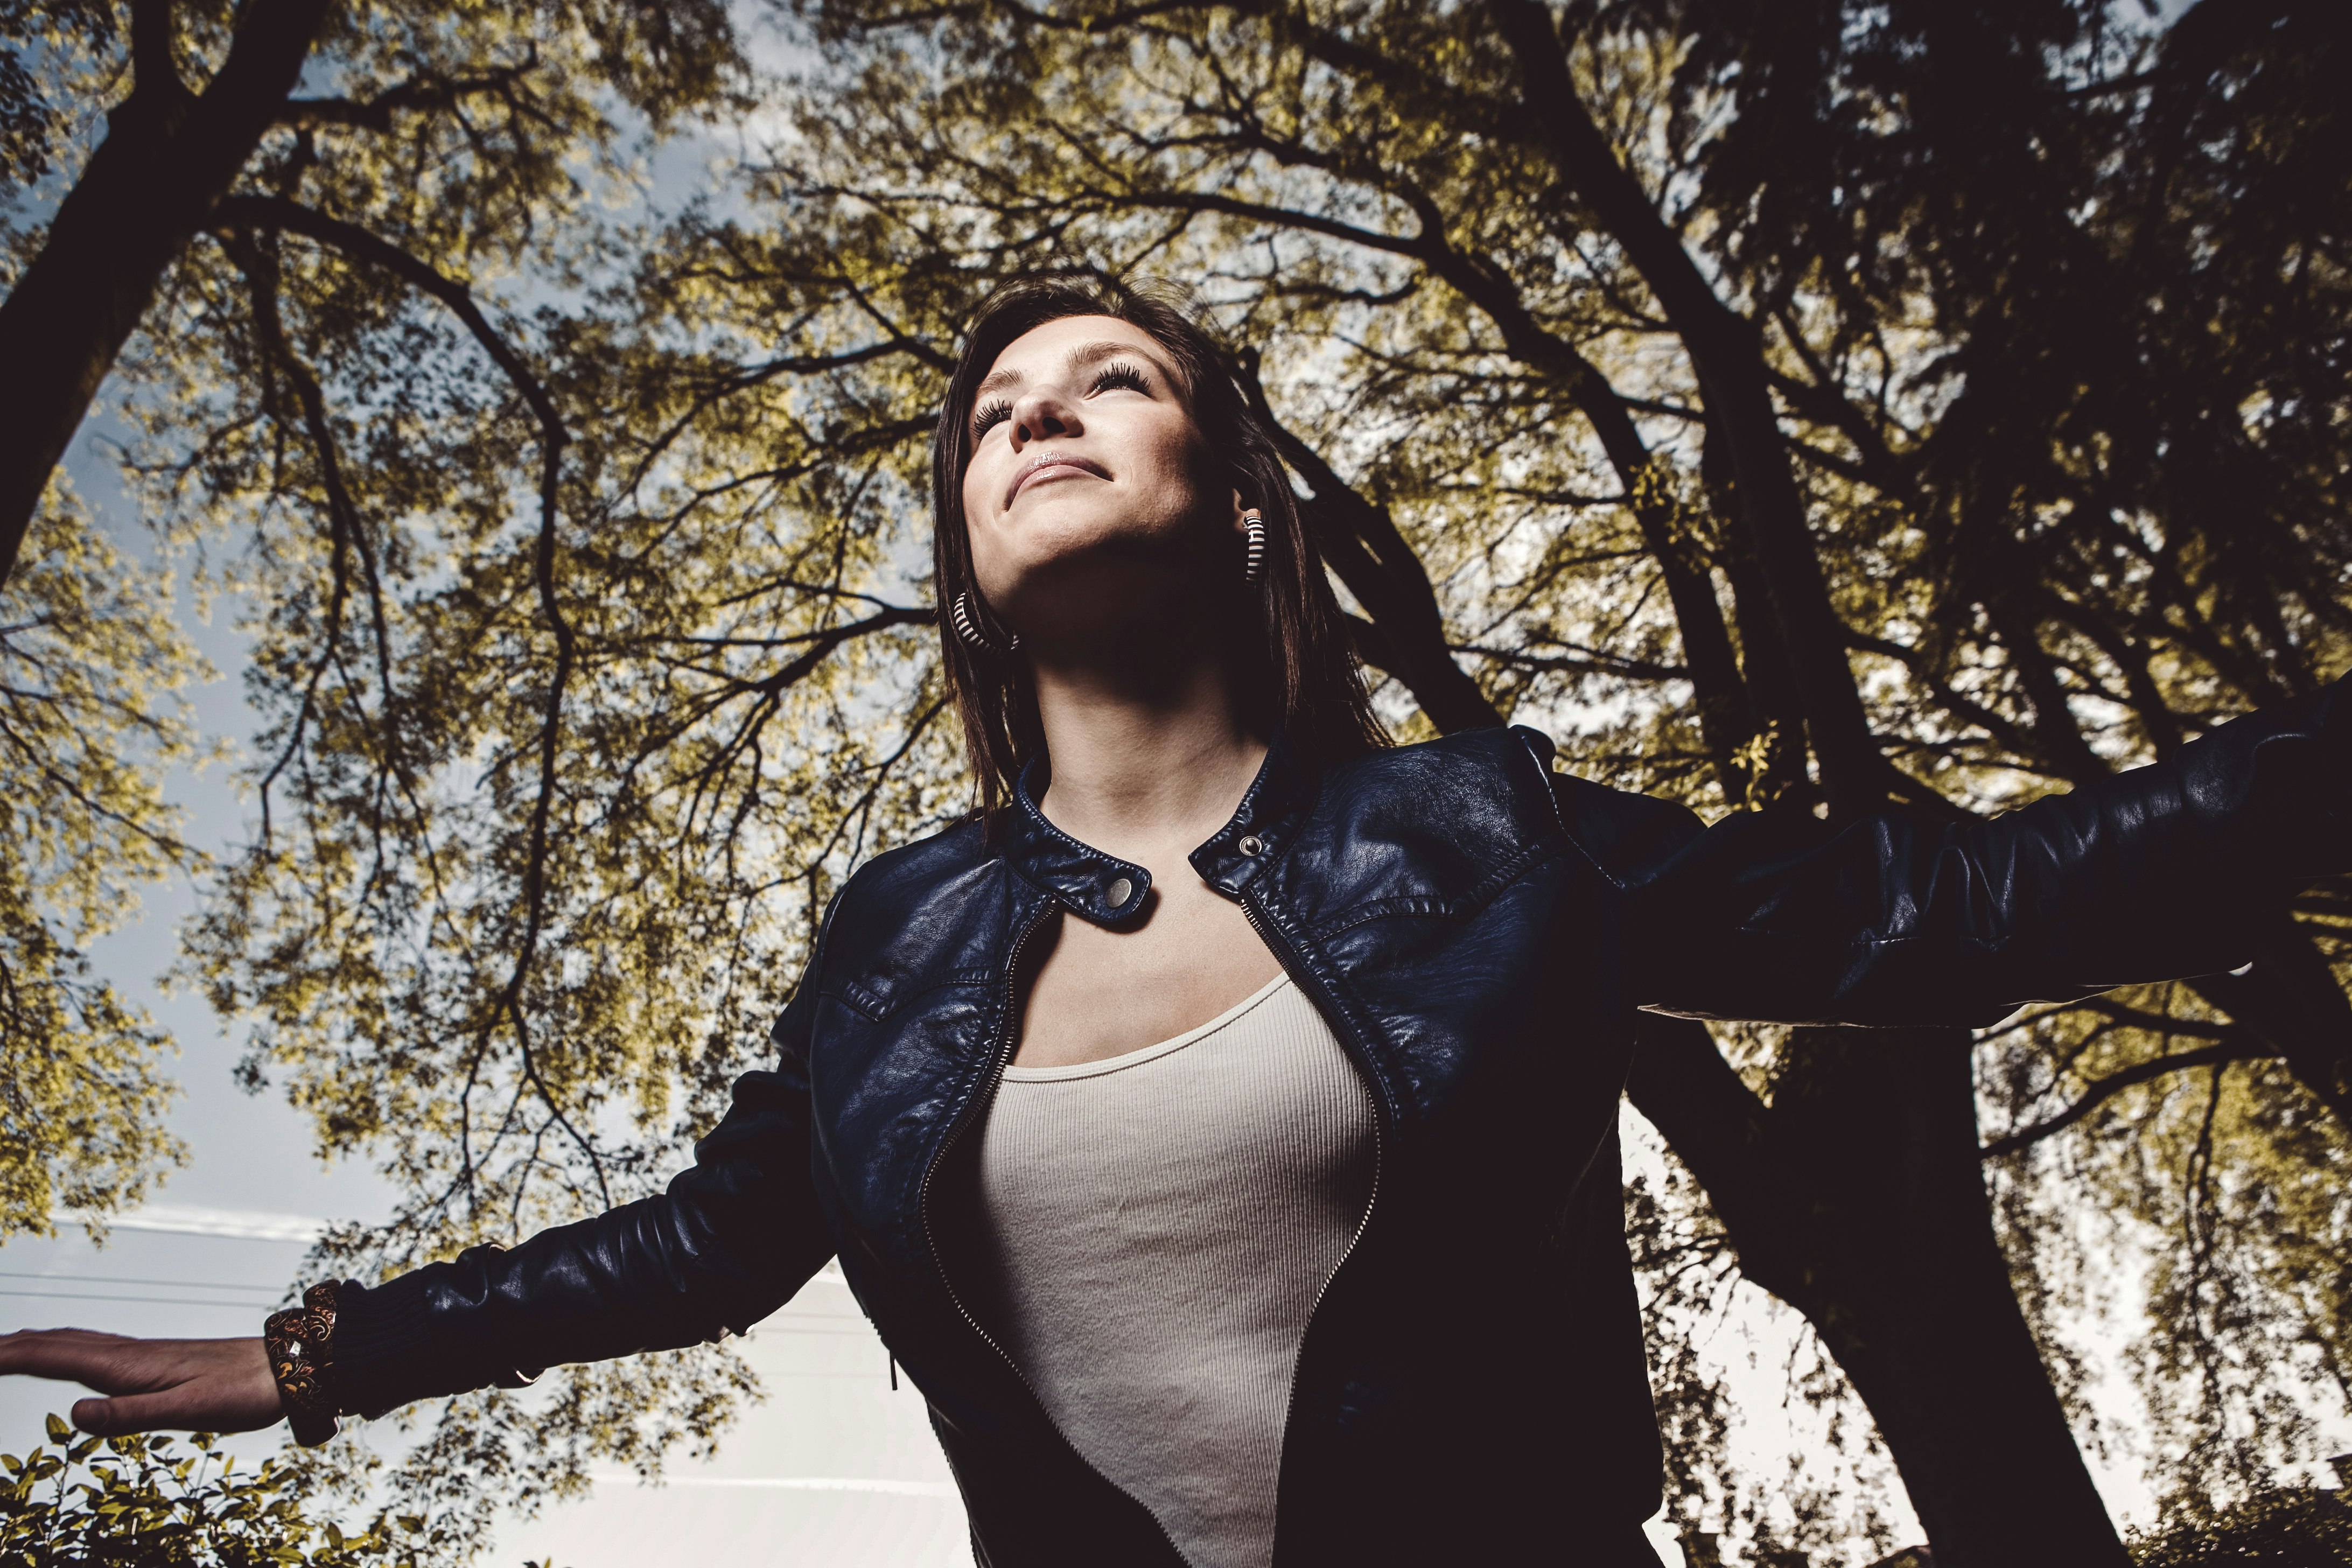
x,y
1479,931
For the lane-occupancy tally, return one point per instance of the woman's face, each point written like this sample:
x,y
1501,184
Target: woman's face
x,y
1087,499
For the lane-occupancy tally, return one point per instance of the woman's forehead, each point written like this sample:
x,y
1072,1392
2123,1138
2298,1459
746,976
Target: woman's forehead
x,y
1069,343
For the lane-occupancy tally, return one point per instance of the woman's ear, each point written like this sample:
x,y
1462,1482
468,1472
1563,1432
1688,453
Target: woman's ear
x,y
1239,507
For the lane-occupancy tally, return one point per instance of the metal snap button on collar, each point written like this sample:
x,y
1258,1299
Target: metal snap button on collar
x,y
1251,844
1119,890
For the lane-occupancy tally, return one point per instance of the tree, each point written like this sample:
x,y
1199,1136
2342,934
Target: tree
x,y
1793,452
454,146
488,109
1841,306
472,138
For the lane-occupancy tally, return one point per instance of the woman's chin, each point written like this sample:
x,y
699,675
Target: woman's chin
x,y
1109,579
1117,624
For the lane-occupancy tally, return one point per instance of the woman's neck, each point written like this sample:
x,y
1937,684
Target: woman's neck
x,y
1144,760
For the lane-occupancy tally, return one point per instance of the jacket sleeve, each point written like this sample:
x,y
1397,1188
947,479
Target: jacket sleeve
x,y
2158,873
734,1236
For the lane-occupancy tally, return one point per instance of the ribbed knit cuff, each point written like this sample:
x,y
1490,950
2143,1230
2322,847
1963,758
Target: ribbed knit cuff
x,y
383,1345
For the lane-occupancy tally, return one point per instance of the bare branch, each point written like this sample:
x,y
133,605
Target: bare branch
x,y
279,212
2238,1047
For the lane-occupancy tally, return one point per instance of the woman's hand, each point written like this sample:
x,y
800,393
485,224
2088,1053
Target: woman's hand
x,y
198,1385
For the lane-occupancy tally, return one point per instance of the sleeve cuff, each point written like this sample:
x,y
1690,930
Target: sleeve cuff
x,y
383,1337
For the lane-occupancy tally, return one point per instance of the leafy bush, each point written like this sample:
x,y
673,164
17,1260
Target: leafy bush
x,y
2292,1527
158,1501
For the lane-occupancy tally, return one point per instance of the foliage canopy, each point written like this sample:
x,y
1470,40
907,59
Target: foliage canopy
x,y
1819,407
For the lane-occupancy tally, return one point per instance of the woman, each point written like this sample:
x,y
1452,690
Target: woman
x,y
1218,1126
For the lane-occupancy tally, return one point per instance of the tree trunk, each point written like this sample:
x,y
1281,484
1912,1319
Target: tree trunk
x,y
1858,1198
168,157
1728,354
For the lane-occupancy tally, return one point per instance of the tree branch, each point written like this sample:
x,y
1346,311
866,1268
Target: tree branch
x,y
155,81
152,184
279,212
418,94
821,644
2239,1046
1585,661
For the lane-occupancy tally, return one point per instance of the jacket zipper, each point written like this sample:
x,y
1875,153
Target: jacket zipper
x,y
1283,954
1002,1057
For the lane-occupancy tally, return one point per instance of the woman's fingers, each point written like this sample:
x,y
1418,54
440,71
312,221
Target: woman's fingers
x,y
221,1385
207,1405
78,1356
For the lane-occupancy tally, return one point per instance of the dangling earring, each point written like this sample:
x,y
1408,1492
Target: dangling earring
x,y
1253,547
969,629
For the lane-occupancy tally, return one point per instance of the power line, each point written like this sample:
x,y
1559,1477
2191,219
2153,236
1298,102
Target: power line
x,y
145,1301
125,1279
237,1224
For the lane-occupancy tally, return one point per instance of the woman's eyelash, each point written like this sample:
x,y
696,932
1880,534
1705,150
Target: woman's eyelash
x,y
988,415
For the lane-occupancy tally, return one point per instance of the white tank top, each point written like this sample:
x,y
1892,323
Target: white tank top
x,y
1161,1224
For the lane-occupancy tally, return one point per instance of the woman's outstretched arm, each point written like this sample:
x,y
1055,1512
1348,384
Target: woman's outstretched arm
x,y
734,1237
731,1239
2158,873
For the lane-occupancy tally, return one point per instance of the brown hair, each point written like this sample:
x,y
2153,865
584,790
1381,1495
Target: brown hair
x,y
1293,654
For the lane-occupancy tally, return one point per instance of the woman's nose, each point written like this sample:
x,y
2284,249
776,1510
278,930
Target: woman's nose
x,y
1040,412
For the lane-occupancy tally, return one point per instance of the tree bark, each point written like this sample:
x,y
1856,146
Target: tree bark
x,y
1858,1198
169,156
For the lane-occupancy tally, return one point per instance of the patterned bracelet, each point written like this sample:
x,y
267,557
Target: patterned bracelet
x,y
301,1345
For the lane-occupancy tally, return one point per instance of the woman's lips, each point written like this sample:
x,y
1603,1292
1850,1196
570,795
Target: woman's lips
x,y
1047,464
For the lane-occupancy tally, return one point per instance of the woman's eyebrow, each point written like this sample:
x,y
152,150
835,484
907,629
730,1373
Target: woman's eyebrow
x,y
1082,356
1086,354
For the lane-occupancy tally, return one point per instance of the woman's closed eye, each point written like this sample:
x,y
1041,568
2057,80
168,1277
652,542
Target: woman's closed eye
x,y
1117,373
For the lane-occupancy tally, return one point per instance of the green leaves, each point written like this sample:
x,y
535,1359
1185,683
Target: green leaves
x,y
90,664
129,1504
2284,1525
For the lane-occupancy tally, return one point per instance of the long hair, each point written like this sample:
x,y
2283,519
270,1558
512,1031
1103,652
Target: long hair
x,y
1291,657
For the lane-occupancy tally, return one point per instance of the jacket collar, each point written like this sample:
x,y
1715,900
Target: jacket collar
x,y
1110,891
